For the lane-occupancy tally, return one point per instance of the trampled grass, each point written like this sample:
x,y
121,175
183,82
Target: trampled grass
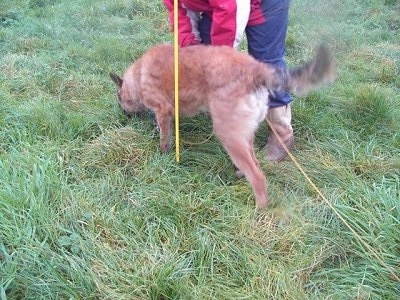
x,y
89,208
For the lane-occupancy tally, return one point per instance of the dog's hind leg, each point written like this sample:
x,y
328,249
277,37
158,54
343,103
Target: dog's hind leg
x,y
241,151
236,132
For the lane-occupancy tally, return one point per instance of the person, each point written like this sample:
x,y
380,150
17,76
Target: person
x,y
224,22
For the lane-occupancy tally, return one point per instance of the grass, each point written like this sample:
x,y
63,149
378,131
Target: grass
x,y
89,208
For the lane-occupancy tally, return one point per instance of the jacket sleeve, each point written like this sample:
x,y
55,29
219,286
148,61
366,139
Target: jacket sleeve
x,y
229,20
187,23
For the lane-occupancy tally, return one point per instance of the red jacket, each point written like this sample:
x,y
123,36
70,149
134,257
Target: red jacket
x,y
229,19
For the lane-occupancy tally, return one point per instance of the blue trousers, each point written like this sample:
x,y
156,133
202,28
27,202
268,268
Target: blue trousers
x,y
266,41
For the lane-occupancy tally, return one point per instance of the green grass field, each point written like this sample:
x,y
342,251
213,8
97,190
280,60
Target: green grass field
x,y
90,209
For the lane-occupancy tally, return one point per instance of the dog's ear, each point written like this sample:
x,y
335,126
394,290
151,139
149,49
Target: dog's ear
x,y
117,80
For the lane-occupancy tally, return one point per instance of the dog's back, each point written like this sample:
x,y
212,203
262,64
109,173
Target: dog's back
x,y
203,70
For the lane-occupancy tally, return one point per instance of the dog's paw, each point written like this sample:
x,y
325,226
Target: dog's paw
x,y
262,205
239,174
165,147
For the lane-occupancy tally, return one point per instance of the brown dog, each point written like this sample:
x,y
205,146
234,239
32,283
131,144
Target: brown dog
x,y
231,85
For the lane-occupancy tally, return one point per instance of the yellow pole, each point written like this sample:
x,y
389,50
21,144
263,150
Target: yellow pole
x,y
176,81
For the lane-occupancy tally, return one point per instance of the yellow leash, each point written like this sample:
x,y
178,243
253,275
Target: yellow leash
x,y
198,143
358,237
176,81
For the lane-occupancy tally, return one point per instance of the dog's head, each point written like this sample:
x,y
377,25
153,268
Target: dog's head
x,y
127,98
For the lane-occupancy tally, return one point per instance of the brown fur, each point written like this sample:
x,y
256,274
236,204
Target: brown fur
x,y
231,85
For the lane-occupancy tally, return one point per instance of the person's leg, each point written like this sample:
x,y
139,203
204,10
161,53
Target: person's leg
x,y
279,117
205,29
266,42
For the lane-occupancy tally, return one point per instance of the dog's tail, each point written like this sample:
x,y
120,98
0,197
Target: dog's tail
x,y
319,71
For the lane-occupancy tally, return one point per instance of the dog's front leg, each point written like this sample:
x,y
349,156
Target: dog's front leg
x,y
164,122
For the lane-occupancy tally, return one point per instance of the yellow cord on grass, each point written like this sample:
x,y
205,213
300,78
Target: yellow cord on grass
x,y
176,80
358,237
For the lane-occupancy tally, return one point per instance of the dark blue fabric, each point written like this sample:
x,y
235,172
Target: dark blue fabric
x,y
205,29
266,41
